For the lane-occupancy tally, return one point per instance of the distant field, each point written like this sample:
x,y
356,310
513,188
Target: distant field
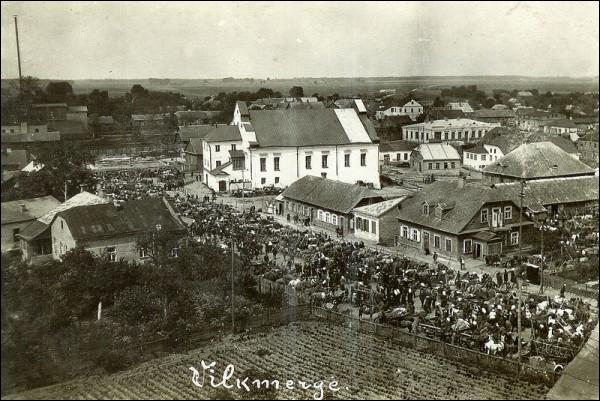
x,y
342,86
365,367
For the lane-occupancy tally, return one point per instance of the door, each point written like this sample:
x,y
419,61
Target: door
x,y
420,167
222,186
425,240
477,250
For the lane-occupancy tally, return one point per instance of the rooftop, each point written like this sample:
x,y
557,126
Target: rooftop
x,y
504,138
456,123
311,127
379,208
14,212
43,222
396,146
537,160
329,194
186,132
223,133
460,205
437,151
13,158
106,220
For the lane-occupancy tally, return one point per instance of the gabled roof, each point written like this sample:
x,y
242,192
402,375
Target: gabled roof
x,y
149,117
412,103
437,151
562,142
131,218
34,208
504,138
186,132
310,127
537,160
329,194
397,146
553,191
224,133
194,146
379,208
306,105
42,223
467,202
478,149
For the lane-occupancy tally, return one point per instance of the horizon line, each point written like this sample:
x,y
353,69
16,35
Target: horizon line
x,y
315,77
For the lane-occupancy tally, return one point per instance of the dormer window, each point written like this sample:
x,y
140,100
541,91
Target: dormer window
x,y
425,209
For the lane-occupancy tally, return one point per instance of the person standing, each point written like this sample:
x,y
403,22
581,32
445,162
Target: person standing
x,y
435,257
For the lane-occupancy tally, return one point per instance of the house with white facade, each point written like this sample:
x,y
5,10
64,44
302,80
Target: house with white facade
x,y
277,147
456,131
412,109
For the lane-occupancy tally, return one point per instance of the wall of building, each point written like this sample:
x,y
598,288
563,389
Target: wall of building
x,y
292,164
476,160
62,239
430,166
211,156
368,231
125,247
404,156
425,133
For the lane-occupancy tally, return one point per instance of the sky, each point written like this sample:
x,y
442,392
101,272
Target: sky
x,y
127,40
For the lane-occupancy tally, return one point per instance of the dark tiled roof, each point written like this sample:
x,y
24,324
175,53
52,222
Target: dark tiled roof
x,y
479,149
504,138
552,191
223,133
328,194
33,230
467,202
194,146
397,146
243,108
303,127
34,208
133,217
537,160
186,132
562,142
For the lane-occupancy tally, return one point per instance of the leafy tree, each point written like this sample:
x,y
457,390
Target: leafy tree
x,y
296,91
58,91
438,102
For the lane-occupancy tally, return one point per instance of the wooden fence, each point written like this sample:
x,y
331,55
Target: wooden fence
x,y
439,348
582,290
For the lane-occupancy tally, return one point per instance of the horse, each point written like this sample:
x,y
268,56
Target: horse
x,y
492,347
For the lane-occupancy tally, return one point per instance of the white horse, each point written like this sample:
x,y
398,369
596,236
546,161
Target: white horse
x,y
492,347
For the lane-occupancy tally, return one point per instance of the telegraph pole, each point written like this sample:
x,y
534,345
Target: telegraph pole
x,y
18,56
542,261
521,196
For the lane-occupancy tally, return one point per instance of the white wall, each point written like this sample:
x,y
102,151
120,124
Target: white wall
x,y
292,164
367,235
404,156
210,156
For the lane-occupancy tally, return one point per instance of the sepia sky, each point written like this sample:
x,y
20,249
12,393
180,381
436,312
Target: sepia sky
x,y
78,40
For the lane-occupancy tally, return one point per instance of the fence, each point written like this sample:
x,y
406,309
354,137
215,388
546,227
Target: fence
x,y
439,348
582,290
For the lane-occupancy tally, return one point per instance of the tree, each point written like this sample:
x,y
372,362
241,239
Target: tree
x,y
297,91
58,91
438,102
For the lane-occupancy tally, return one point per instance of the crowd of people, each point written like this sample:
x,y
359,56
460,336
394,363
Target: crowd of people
x,y
474,310
132,184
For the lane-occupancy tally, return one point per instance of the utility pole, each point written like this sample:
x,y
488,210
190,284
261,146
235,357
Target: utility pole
x,y
542,261
232,291
521,196
18,56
